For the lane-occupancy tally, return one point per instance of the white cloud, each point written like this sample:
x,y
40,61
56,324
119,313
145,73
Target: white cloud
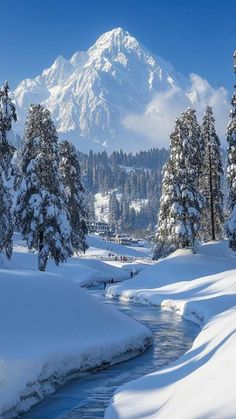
x,y
157,122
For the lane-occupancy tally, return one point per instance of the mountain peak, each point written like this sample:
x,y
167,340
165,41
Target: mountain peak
x,y
57,72
116,37
59,60
78,58
118,32
114,34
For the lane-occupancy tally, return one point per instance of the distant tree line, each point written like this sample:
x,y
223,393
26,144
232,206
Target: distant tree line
x,y
147,159
132,179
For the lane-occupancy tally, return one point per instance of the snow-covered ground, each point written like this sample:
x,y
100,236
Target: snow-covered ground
x,y
50,328
99,247
83,270
202,383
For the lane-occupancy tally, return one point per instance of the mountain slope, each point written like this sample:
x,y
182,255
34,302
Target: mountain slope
x,y
91,94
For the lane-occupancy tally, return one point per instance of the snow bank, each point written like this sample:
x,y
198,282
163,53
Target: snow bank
x,y
87,272
50,328
202,382
136,266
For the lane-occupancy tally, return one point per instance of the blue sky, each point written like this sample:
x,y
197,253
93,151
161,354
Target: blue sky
x,y
195,35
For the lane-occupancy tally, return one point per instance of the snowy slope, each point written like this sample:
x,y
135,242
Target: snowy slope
x,y
90,94
50,328
202,383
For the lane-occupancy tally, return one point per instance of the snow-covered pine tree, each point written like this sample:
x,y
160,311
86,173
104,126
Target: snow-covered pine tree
x,y
211,180
231,169
114,210
188,167
71,178
41,211
124,222
90,205
7,115
164,243
6,219
179,215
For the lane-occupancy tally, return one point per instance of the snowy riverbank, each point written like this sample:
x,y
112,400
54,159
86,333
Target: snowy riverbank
x,y
50,328
202,382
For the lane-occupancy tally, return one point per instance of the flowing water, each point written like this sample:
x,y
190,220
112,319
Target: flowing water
x,y
88,396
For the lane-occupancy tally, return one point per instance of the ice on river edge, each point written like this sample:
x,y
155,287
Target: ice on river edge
x,y
202,382
51,328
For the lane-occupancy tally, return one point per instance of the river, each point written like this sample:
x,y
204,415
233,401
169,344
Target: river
x,y
88,396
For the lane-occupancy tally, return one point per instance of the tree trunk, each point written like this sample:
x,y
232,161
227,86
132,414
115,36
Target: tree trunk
x,y
40,241
40,266
213,235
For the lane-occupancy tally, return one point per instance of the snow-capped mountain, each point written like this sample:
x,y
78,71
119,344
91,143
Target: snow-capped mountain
x,y
92,93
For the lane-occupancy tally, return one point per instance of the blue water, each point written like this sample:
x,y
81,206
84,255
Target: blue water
x,y
88,396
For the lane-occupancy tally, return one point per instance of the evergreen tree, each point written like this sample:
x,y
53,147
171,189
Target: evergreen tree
x,y
75,198
41,212
6,219
231,170
124,214
165,243
132,218
90,205
114,210
211,180
179,217
7,115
